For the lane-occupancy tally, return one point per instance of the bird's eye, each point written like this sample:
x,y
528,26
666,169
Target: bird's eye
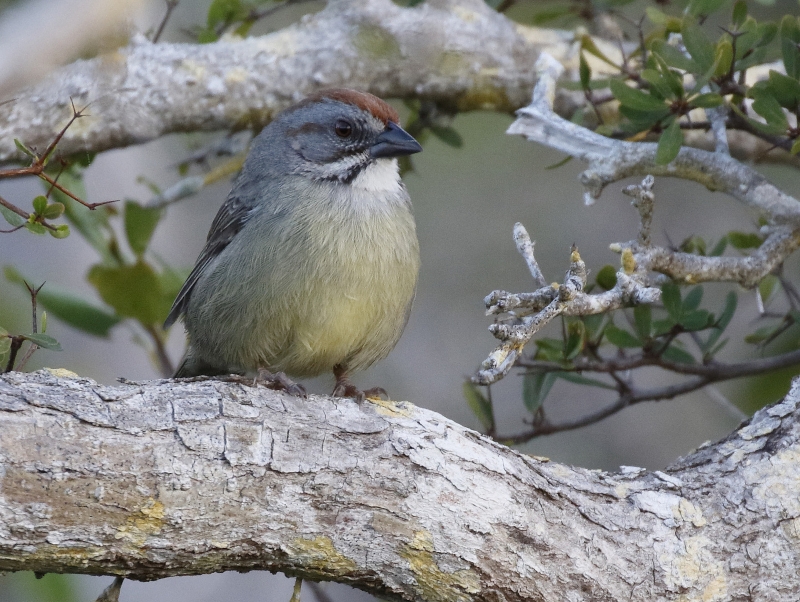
x,y
343,129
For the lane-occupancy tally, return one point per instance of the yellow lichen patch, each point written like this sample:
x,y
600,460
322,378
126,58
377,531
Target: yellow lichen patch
x,y
320,555
392,408
689,512
484,96
279,43
622,490
196,71
434,584
628,261
465,14
62,373
143,523
695,567
236,75
375,42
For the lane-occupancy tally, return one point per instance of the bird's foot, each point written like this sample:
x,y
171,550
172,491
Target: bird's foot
x,y
280,382
345,388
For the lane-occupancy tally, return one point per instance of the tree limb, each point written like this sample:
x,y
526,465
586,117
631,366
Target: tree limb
x,y
168,478
460,53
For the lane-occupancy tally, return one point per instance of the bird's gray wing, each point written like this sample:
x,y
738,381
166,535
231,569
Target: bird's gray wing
x,y
230,219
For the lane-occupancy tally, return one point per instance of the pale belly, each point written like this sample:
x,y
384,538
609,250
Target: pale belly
x,y
335,294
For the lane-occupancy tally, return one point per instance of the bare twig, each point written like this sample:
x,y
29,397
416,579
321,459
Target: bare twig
x,y
171,4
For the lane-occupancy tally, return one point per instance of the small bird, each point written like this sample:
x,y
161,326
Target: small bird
x,y
311,263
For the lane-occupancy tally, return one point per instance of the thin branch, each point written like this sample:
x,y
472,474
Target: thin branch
x,y
171,5
613,160
713,370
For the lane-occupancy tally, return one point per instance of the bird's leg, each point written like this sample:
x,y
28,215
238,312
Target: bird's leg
x,y
280,382
345,388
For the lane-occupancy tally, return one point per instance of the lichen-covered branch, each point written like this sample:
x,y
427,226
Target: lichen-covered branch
x,y
613,160
167,478
528,313
460,53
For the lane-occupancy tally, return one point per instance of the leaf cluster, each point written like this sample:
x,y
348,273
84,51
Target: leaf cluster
x,y
683,68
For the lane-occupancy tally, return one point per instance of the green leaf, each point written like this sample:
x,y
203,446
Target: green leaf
x,y
40,204
140,223
479,405
535,388
11,217
5,346
61,231
731,300
739,13
762,334
786,90
576,335
790,37
53,211
719,248
796,147
658,83
767,287
607,277
673,57
744,240
697,43
576,378
696,320
772,112
593,325
447,135
673,80
223,12
723,57
662,327
24,149
587,44
134,291
549,349
585,72
669,144
678,355
68,308
671,298
35,227
694,244
621,338
705,7
707,101
633,98
45,341
692,300
758,125
642,317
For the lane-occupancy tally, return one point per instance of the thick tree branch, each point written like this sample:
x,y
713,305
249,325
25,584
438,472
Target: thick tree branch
x,y
168,478
460,53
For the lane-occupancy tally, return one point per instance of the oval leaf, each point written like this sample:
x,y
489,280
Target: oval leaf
x,y
669,144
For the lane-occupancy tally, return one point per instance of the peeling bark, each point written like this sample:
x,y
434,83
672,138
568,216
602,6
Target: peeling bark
x,y
165,478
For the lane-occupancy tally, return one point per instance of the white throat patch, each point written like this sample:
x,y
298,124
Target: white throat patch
x,y
381,176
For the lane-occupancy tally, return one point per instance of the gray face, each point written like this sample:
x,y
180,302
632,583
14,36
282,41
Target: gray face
x,y
328,140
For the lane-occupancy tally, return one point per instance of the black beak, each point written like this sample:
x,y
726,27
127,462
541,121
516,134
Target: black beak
x,y
394,141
